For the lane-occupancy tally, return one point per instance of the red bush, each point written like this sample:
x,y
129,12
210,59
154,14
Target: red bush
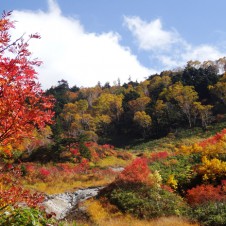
x,y
44,172
205,193
159,155
136,172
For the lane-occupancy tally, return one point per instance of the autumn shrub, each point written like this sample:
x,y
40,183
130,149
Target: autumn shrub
x,y
17,195
137,191
136,172
212,169
211,147
158,156
214,139
44,172
205,193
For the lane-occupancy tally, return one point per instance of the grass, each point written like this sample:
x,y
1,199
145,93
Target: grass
x,y
112,161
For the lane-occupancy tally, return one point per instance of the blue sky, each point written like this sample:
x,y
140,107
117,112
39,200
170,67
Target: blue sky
x,y
89,41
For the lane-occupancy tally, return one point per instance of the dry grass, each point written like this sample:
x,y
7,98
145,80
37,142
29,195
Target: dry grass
x,y
103,216
59,186
129,221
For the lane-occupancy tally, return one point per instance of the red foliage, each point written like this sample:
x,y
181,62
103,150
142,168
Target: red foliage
x,y
159,155
167,188
30,168
44,172
75,152
205,193
16,195
11,190
108,146
22,102
136,172
82,167
223,183
213,139
68,168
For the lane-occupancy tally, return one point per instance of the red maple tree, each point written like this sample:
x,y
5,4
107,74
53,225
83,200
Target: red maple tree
x,y
23,104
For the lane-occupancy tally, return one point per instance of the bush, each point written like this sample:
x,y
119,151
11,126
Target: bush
x,y
136,172
210,213
144,202
180,167
205,193
23,217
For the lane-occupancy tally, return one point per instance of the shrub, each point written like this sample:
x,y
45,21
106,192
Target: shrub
x,y
23,217
205,193
145,202
157,156
16,195
210,213
136,172
212,169
176,171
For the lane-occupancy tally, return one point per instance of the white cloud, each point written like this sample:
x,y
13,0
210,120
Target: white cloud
x,y
69,52
151,36
168,46
202,53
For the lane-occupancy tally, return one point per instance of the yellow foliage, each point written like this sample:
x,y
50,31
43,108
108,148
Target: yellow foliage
x,y
172,182
95,210
156,178
210,150
142,119
212,169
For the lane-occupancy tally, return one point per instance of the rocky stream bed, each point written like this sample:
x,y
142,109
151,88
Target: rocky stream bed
x,y
62,204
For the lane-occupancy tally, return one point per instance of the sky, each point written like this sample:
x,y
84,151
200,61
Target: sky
x,y
86,42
